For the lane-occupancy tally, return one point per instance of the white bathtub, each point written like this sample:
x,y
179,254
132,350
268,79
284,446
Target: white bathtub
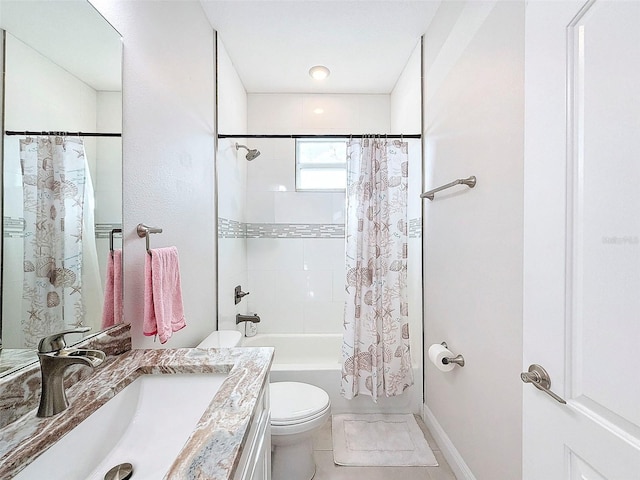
x,y
315,359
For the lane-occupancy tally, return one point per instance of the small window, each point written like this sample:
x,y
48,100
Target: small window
x,y
321,164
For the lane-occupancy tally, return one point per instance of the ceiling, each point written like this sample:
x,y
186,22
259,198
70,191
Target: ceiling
x,y
70,33
365,44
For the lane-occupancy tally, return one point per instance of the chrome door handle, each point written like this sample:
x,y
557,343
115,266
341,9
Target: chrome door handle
x,y
540,379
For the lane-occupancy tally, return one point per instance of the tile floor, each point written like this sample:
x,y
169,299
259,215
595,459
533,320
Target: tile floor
x,y
327,470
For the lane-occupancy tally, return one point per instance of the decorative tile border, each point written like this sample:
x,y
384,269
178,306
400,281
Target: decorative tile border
x,y
14,228
295,230
231,228
415,228
103,230
234,229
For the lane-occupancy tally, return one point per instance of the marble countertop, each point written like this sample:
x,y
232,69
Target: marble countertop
x,y
213,449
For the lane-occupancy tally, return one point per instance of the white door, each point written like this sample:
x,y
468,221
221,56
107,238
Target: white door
x,y
582,239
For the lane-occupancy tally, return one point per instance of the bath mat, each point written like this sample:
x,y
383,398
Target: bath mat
x,y
380,441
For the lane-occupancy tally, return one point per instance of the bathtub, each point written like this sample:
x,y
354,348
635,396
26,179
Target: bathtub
x,y
315,359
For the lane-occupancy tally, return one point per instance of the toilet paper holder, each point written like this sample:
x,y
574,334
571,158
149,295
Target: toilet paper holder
x,y
458,359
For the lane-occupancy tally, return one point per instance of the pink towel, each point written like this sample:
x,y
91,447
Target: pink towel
x,y
163,311
112,311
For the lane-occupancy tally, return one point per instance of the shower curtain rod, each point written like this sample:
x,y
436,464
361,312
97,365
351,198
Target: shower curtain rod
x,y
331,135
64,134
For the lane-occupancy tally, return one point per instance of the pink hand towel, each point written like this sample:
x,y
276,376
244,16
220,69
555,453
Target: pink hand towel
x,y
163,310
112,310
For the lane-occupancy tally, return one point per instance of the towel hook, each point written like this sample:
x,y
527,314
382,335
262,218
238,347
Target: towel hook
x,y
144,231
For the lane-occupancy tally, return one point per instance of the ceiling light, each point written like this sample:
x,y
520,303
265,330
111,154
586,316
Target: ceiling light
x,y
319,72
318,111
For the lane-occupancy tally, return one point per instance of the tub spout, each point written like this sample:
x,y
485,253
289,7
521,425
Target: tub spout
x,y
247,318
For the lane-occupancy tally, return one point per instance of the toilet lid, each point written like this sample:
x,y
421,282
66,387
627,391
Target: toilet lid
x,y
295,401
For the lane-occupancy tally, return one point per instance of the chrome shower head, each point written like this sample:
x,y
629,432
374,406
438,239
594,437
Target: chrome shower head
x,y
251,153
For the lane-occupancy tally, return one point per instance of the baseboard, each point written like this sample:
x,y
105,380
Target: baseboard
x,y
451,454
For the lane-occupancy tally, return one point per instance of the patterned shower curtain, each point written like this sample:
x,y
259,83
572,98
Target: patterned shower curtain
x,y
375,351
54,177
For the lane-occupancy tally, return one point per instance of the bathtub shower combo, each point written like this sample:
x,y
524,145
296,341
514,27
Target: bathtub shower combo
x,y
315,359
291,257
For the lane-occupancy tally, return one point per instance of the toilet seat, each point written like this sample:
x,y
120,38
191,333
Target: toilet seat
x,y
296,405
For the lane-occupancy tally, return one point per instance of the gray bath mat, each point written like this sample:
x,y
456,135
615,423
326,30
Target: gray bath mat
x,y
380,441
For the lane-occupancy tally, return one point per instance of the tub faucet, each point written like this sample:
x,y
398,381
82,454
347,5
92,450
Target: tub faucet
x,y
247,318
54,359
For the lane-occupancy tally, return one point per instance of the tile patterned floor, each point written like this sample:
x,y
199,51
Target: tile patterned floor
x,y
327,470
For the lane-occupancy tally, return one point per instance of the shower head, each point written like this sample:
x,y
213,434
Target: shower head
x,y
251,153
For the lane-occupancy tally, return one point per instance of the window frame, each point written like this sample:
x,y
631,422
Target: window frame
x,y
320,166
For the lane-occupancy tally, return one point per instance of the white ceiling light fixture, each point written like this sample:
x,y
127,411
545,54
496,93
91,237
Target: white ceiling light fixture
x,y
318,110
319,72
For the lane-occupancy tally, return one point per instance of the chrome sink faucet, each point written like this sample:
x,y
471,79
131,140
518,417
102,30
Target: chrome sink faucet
x,y
54,359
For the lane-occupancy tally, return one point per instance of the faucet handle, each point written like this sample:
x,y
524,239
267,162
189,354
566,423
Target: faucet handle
x,y
55,342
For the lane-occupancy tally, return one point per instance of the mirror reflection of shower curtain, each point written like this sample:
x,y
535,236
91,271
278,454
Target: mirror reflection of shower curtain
x,y
57,245
375,351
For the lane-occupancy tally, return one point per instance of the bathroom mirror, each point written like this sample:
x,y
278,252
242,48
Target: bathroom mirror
x,y
63,65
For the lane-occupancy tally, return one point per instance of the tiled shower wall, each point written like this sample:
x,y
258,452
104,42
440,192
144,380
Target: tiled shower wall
x,y
295,246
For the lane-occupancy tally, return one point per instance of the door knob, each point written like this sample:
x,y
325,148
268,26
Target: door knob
x,y
540,379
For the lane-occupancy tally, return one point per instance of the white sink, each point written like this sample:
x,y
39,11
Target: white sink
x,y
146,424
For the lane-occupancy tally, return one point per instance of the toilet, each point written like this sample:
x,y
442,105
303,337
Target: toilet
x,y
298,410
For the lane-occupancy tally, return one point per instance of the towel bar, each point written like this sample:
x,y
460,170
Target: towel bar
x,y
111,234
469,182
144,231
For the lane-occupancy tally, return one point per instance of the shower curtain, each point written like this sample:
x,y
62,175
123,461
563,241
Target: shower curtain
x,y
375,352
56,187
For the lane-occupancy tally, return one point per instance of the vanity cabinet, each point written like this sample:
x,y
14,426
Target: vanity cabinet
x,y
255,462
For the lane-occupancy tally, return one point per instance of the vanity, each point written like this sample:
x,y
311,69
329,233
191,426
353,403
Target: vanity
x,y
230,439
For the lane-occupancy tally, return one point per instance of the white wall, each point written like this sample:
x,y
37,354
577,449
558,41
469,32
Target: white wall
x,y
232,191
168,147
406,97
474,109
232,96
294,113
405,117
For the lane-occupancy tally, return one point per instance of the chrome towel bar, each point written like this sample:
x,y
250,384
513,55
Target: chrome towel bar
x,y
469,182
144,231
